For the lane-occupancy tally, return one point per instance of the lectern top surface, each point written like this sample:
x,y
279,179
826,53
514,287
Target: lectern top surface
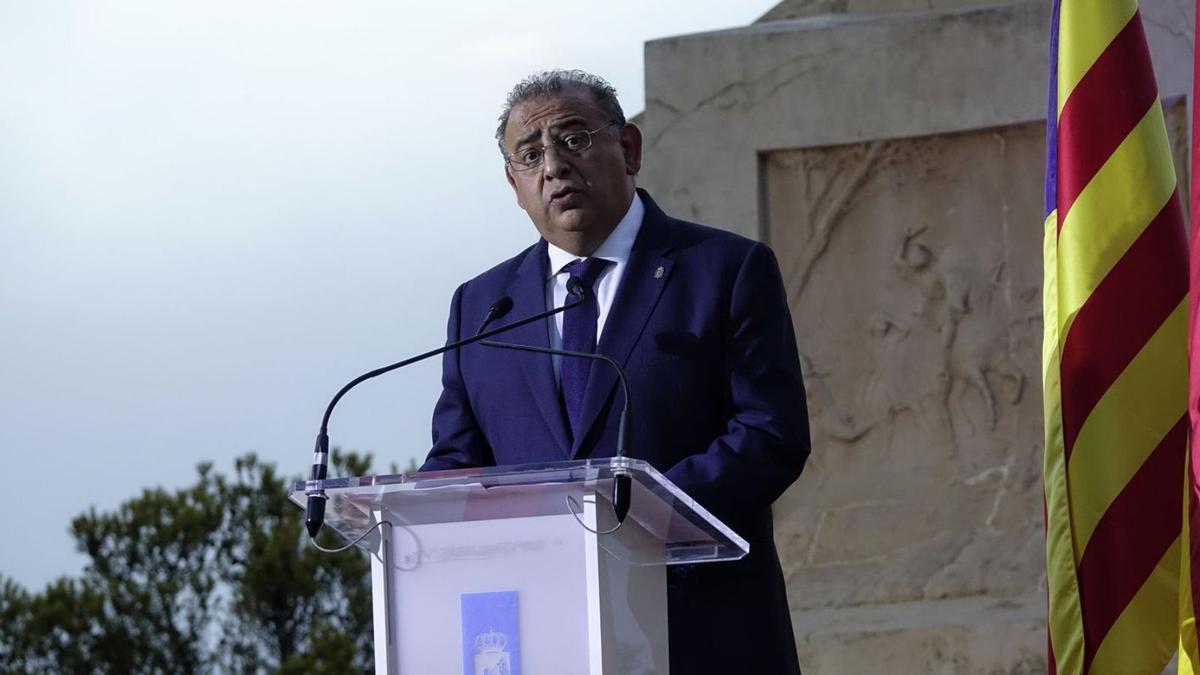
x,y
688,532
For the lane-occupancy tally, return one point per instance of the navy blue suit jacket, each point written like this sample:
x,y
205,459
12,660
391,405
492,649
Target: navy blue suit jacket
x,y
701,323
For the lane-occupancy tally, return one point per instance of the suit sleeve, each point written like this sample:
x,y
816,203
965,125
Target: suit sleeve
x,y
458,442
766,439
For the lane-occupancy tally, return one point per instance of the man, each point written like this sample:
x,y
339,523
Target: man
x,y
698,317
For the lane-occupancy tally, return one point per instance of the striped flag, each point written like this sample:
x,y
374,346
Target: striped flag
x,y
1114,371
1189,578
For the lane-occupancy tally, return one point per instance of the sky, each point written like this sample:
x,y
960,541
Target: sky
x,y
213,215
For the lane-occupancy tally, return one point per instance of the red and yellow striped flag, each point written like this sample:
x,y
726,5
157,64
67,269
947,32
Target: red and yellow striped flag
x,y
1189,578
1114,370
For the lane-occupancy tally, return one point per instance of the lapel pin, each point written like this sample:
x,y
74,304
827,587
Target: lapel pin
x,y
658,272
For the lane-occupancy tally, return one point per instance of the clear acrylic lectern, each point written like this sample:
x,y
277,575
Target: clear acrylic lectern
x,y
511,570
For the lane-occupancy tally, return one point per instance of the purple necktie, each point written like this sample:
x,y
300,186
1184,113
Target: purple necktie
x,y
579,335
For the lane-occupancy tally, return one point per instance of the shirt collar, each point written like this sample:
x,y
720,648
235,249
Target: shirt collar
x,y
616,248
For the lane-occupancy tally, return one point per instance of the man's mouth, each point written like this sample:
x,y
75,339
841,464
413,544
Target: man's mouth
x,y
563,196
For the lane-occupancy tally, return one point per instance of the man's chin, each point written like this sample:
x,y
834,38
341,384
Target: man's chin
x,y
572,220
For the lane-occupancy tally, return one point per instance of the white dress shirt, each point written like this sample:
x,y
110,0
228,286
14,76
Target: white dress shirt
x,y
616,250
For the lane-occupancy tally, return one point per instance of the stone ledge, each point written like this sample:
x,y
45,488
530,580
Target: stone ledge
x,y
1011,648
953,612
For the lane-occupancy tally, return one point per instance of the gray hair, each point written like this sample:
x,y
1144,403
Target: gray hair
x,y
562,83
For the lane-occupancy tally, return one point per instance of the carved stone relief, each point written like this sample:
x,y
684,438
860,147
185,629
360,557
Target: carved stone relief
x,y
914,272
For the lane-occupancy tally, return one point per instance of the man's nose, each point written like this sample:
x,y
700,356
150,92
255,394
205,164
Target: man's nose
x,y
555,162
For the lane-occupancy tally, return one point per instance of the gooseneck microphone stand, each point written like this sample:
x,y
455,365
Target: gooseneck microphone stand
x,y
314,513
622,482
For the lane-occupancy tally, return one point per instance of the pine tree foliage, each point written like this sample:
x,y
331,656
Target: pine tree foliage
x,y
216,577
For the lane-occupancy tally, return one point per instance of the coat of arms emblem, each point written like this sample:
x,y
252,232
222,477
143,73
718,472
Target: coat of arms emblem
x,y
490,655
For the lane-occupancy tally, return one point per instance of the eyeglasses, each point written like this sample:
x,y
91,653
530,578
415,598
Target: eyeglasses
x,y
573,142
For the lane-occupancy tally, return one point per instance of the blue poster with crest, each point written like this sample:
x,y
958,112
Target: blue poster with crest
x,y
490,639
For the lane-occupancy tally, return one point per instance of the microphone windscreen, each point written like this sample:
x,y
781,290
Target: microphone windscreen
x,y
501,307
575,288
498,309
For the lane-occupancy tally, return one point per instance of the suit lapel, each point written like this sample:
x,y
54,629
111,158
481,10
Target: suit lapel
x,y
528,292
641,285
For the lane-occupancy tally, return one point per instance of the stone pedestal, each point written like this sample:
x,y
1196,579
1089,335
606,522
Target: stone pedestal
x,y
895,164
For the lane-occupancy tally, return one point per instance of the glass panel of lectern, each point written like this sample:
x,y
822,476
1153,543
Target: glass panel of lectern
x,y
522,570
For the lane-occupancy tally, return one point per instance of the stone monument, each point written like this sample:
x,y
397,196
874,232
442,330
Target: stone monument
x,y
892,153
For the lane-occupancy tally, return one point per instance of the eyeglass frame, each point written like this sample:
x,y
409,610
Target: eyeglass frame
x,y
557,144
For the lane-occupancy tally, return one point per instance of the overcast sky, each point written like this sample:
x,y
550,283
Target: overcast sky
x,y
214,214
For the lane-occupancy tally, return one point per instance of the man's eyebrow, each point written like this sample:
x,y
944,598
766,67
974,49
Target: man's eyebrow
x,y
522,140
573,121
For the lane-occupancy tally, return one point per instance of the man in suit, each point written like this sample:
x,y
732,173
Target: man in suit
x,y
697,316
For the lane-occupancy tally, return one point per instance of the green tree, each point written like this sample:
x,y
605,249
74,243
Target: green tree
x,y
216,577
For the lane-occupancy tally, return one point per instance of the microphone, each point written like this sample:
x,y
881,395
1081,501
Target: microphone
x,y
575,287
622,481
498,309
314,512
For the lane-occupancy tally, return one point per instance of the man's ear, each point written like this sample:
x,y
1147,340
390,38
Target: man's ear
x,y
512,183
631,146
